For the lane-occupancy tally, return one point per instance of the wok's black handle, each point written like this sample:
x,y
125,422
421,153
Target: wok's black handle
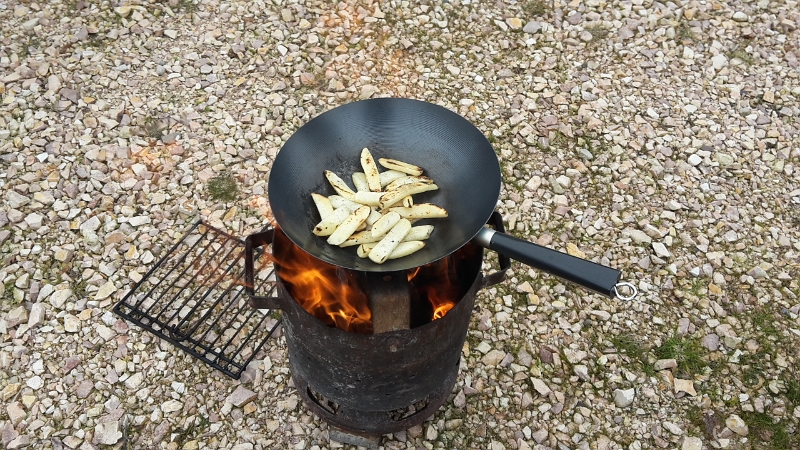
x,y
585,273
252,242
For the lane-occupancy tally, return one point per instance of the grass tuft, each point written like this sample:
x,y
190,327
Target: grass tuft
x,y
635,350
598,32
764,320
767,433
223,187
742,55
684,32
686,352
793,392
152,128
537,7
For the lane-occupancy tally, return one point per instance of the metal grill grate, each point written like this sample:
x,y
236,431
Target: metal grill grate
x,y
194,298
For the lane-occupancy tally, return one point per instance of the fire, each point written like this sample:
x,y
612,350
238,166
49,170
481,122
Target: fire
x,y
442,309
334,295
438,283
327,292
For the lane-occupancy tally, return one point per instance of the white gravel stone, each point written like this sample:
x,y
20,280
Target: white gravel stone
x,y
171,406
739,16
624,397
484,347
638,236
105,332
672,428
661,250
541,387
540,435
723,159
19,442
16,200
134,381
16,316
582,372
532,27
59,297
663,364
107,433
37,315
737,425
692,443
16,412
35,382
105,291
686,386
241,396
34,220
72,324
719,61
91,224
431,433
757,272
493,358
139,220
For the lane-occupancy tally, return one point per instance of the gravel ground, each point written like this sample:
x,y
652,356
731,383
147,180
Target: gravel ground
x,y
658,138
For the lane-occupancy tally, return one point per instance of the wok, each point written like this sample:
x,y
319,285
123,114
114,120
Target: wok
x,y
453,152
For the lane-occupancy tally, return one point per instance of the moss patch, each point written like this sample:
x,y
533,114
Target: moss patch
x,y
223,187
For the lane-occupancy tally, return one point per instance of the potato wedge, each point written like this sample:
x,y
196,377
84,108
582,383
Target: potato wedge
x,y
323,205
385,223
368,198
390,198
370,170
349,225
421,211
419,233
360,181
363,250
339,185
408,201
362,237
406,180
406,248
400,166
328,225
390,175
337,201
374,216
381,252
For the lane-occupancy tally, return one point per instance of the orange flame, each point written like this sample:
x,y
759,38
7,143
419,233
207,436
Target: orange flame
x,y
327,292
438,282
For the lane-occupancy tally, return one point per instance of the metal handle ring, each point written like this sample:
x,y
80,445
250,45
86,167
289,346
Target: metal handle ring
x,y
625,284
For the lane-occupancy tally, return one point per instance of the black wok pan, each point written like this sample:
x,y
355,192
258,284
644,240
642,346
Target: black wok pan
x,y
453,152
